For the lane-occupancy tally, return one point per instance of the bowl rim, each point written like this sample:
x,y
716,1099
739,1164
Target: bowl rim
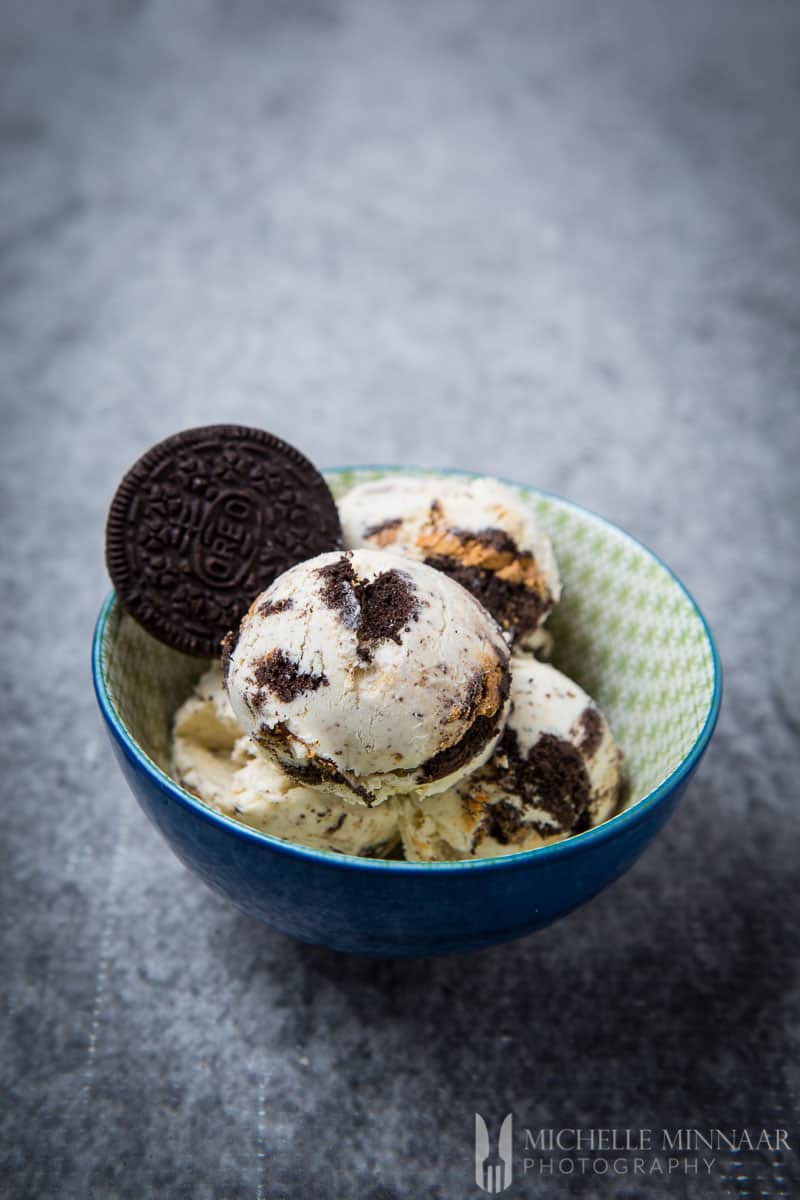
x,y
575,844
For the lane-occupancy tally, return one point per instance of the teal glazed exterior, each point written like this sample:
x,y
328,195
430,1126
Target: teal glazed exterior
x,y
386,908
389,910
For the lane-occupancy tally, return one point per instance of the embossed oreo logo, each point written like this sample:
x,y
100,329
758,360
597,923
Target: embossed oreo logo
x,y
204,521
229,537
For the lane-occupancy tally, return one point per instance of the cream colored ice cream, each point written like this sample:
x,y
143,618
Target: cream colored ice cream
x,y
367,674
215,760
555,772
478,531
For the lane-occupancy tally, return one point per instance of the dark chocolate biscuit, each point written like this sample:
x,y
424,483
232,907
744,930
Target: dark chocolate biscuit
x,y
278,673
378,609
481,731
552,776
591,724
206,520
388,604
516,609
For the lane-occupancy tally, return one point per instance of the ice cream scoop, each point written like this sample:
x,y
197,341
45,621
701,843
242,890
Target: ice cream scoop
x,y
478,531
215,760
368,674
555,772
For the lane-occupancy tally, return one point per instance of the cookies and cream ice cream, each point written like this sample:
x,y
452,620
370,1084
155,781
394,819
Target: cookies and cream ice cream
x,y
367,675
478,531
219,763
368,694
556,771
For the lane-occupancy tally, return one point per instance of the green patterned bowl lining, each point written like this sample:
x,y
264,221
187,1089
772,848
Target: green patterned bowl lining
x,y
625,630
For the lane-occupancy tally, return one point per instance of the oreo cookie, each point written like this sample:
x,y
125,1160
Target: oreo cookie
x,y
207,519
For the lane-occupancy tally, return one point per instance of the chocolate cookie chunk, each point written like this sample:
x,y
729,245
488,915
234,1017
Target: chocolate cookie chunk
x,y
204,521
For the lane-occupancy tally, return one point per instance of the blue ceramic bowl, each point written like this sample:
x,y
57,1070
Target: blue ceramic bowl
x,y
626,629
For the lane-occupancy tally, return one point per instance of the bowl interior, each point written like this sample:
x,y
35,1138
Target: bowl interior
x,y
625,630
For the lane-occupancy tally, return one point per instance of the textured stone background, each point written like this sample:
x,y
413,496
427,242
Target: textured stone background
x,y
556,240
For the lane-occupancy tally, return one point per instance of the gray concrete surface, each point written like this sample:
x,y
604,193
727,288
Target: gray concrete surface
x,y
556,240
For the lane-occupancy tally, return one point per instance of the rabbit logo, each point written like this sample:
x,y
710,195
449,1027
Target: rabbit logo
x,y
493,1172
